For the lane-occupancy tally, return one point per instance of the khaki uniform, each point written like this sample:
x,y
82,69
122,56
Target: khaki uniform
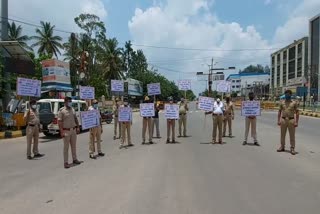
x,y
228,115
171,124
95,136
116,122
251,121
217,119
146,123
126,132
183,108
68,118
33,122
288,110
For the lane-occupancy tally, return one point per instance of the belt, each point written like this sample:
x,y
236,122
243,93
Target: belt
x,y
217,114
183,114
290,118
147,117
68,129
32,125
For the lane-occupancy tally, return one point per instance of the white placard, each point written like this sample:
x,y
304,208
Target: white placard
x,y
147,110
87,92
206,103
125,114
90,119
117,85
171,111
250,108
28,87
154,89
223,86
184,85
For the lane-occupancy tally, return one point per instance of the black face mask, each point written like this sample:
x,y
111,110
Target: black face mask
x,y
251,98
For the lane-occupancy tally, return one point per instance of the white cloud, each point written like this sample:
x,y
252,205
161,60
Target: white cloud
x,y
298,22
192,25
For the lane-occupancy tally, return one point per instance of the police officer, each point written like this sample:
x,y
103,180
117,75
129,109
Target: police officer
x,y
183,108
171,124
31,117
95,133
155,121
146,123
126,129
288,118
69,128
228,117
251,121
116,120
217,117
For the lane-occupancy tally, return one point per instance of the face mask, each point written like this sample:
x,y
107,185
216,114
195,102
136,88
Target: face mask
x,y
288,97
125,103
70,104
34,106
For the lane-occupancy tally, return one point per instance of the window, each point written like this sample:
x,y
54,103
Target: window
x,y
278,58
292,53
75,106
292,70
300,49
233,86
284,74
44,107
238,80
284,56
272,61
83,107
233,81
238,86
299,68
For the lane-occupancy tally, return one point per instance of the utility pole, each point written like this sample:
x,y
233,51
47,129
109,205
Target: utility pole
x,y
4,37
210,78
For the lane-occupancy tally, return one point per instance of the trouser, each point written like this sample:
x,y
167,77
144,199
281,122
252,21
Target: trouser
x,y
70,137
32,133
227,121
146,123
288,124
95,135
125,137
116,124
155,123
217,124
171,124
183,121
253,123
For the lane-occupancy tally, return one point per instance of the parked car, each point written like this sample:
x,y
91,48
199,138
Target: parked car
x,y
106,115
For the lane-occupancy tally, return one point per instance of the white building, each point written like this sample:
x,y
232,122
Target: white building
x,y
243,83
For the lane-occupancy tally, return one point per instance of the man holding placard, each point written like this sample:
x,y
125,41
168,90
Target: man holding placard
x,y
155,121
251,109
31,117
183,108
228,117
125,118
95,133
171,114
217,118
147,123
117,125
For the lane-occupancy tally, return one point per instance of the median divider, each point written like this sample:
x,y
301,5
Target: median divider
x,y
12,134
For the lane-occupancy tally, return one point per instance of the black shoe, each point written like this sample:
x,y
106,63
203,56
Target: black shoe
x,y
77,162
173,141
143,143
244,143
179,136
130,144
92,156
256,144
168,141
38,155
101,154
29,157
66,165
150,142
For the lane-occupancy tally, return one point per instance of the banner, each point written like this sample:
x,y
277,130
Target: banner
x,y
125,114
28,87
90,119
250,108
171,111
154,89
55,71
87,93
117,85
206,103
147,110
134,87
223,86
184,85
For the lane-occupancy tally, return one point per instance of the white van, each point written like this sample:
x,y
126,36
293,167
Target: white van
x,y
52,106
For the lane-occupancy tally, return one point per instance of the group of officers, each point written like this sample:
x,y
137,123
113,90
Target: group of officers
x,y
222,116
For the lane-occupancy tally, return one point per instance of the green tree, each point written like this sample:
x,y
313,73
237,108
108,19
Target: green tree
x,y
46,41
253,68
15,34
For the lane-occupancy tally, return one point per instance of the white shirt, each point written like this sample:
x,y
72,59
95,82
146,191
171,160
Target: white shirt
x,y
92,109
218,108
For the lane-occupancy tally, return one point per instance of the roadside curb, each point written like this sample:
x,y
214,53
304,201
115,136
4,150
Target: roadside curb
x,y
12,134
310,114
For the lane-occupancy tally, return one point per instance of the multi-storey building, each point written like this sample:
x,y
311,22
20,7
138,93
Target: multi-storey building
x,y
289,66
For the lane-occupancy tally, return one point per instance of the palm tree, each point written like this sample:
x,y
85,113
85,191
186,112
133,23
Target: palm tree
x,y
110,57
46,41
15,34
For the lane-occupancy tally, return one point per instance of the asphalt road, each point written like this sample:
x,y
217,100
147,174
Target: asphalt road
x,y
192,177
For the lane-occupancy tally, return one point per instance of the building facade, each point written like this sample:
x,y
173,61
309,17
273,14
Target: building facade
x,y
289,67
314,55
243,83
